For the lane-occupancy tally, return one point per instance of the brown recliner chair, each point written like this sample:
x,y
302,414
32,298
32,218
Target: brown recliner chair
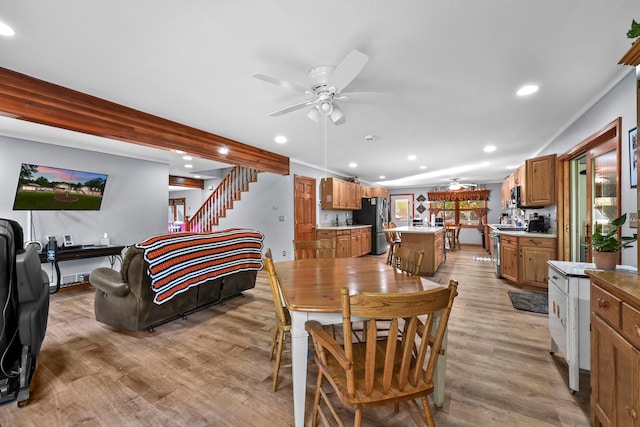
x,y
124,299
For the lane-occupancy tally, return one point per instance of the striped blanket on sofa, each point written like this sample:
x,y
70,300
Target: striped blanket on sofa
x,y
180,261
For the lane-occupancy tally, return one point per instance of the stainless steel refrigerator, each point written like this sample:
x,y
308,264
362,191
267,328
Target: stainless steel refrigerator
x,y
374,212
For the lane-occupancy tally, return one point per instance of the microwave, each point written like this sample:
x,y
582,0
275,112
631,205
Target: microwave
x,y
515,196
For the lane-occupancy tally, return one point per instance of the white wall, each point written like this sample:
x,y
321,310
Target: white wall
x,y
134,205
619,102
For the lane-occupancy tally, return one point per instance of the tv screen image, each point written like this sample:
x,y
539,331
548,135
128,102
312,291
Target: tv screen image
x,y
50,188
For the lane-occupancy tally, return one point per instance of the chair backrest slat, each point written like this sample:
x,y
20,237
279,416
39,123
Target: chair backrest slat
x,y
407,260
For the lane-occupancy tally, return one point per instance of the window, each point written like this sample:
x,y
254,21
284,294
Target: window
x,y
465,208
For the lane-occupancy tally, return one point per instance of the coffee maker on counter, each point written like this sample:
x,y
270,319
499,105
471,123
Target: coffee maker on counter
x,y
538,224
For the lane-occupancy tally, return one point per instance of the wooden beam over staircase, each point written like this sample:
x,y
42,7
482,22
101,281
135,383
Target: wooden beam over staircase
x,y
27,98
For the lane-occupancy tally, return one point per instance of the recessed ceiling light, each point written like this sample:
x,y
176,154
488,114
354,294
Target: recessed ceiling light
x,y
187,158
527,90
196,176
353,165
188,166
223,150
382,177
412,157
280,139
512,167
423,167
180,152
6,30
490,148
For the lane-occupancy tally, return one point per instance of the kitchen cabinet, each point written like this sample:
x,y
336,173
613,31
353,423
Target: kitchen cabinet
x,y
509,257
534,254
350,242
438,250
536,178
374,192
615,348
538,186
337,194
523,259
360,241
569,317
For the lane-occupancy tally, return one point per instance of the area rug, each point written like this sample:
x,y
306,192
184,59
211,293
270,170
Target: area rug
x,y
529,301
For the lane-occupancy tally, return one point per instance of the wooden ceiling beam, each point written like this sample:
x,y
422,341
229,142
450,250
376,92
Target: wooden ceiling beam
x,y
30,99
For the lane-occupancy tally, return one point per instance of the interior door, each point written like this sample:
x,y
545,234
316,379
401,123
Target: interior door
x,y
588,191
304,208
604,188
579,235
401,209
176,214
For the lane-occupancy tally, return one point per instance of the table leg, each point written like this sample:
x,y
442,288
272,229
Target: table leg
x,y
438,376
299,349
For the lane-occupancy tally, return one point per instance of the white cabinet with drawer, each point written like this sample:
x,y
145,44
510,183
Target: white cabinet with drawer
x,y
569,319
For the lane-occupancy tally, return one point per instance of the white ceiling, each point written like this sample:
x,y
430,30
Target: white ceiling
x,y
447,69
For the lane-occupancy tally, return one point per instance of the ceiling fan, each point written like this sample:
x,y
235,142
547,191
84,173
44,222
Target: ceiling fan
x,y
455,184
326,86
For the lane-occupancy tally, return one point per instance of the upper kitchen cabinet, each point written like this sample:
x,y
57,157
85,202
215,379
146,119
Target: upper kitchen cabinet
x,y
536,178
538,186
375,192
337,194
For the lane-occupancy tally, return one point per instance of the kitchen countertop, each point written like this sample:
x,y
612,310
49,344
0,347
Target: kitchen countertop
x,y
416,230
577,269
342,227
548,235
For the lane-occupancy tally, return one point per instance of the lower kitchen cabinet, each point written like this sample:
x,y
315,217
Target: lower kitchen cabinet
x,y
509,257
534,254
615,349
350,242
523,259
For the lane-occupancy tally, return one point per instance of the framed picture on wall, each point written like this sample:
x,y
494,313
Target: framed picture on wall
x,y
633,157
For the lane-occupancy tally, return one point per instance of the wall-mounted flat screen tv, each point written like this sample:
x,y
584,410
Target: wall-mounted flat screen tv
x,y
50,188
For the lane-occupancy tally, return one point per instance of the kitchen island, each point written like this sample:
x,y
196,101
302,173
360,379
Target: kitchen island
x,y
428,239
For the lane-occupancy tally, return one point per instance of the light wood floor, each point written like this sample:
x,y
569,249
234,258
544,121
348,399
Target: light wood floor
x,y
212,369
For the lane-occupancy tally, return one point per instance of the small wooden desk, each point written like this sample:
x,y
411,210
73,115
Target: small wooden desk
x,y
112,252
311,291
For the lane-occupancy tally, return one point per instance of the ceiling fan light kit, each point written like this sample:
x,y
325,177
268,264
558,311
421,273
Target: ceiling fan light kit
x,y
326,83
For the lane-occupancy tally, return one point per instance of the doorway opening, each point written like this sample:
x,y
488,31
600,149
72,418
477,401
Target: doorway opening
x,y
589,191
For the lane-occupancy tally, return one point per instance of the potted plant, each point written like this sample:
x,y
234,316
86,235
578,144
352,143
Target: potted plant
x,y
606,246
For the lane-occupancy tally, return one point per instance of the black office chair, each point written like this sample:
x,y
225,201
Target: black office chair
x,y
24,298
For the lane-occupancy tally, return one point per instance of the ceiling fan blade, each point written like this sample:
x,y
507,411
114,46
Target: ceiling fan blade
x,y
348,70
288,85
293,107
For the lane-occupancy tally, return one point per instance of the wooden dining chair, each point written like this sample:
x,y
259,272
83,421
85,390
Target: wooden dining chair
x,y
377,371
391,241
408,260
283,319
323,248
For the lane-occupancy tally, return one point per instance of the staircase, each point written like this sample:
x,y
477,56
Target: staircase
x,y
222,198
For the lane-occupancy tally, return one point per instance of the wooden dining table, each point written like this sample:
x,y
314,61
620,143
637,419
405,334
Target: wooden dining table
x,y
311,291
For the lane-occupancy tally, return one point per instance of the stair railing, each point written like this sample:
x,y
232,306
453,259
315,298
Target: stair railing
x,y
221,199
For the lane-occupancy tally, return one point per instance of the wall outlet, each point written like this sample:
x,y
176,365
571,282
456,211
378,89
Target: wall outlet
x,y
284,253
633,219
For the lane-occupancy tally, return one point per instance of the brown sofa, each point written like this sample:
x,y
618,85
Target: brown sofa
x,y
124,299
